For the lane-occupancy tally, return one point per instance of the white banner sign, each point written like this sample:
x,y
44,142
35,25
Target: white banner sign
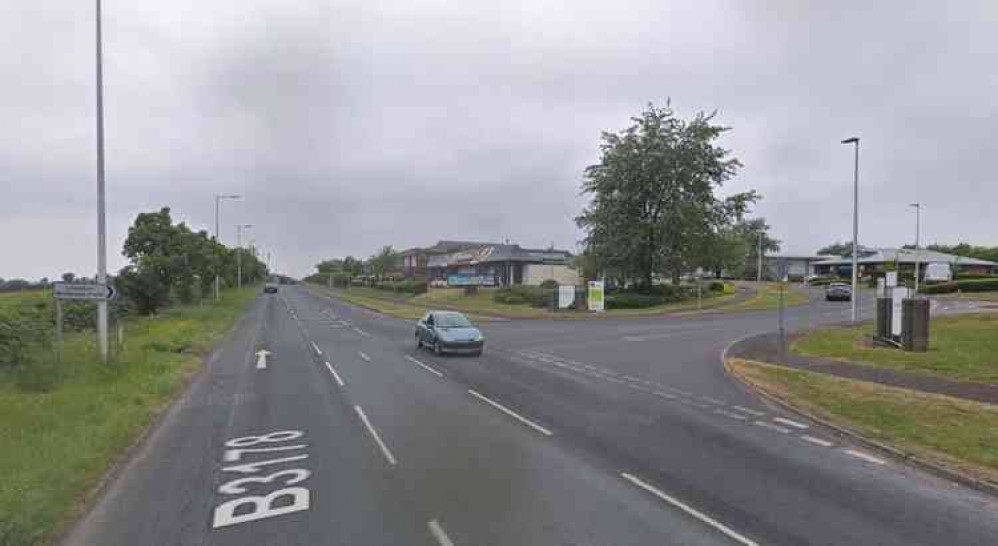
x,y
566,296
82,291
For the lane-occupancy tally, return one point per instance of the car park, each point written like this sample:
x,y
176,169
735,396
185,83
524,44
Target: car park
x,y
449,332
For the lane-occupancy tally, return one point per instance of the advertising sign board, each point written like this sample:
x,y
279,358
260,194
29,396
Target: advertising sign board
x,y
595,299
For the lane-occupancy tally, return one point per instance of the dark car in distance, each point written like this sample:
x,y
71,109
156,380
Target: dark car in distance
x,y
449,332
838,291
270,288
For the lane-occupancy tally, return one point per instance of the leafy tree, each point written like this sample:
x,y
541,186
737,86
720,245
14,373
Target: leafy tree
x,y
653,200
68,277
836,249
385,261
328,267
352,266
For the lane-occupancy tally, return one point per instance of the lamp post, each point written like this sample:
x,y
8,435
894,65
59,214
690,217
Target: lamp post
x,y
239,253
218,207
855,224
918,229
101,222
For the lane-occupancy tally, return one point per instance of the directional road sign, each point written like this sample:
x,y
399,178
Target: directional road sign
x,y
83,291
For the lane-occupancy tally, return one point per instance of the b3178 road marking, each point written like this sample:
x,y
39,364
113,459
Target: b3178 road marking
x,y
273,503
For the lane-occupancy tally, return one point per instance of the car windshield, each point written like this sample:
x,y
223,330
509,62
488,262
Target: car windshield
x,y
451,320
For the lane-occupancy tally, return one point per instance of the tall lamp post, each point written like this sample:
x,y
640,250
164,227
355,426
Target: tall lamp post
x,y
218,207
918,230
239,253
855,224
101,223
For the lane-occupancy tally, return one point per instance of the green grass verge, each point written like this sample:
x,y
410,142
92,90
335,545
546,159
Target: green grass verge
x,y
958,433
770,299
969,296
481,306
962,347
57,445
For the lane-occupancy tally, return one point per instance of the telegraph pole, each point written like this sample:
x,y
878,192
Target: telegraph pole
x,y
101,215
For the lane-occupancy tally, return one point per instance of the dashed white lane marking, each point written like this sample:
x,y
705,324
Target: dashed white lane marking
x,y
771,426
510,412
361,332
748,411
665,395
364,356
713,401
436,372
339,380
731,414
791,423
815,441
374,434
438,533
690,510
318,351
865,456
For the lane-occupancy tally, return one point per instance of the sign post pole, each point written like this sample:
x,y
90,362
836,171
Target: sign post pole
x,y
58,330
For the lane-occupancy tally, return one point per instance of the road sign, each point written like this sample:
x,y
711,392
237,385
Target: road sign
x,y
595,296
83,291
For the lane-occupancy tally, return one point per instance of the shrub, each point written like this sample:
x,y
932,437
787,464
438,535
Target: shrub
x,y
716,286
533,296
632,300
549,284
977,285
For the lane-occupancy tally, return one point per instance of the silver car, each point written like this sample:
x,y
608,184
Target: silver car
x,y
838,291
449,332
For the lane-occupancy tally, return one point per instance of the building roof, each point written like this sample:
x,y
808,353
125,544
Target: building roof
x,y
883,255
490,253
444,247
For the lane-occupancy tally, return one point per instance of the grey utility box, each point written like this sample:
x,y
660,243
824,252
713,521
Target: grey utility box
x,y
915,325
883,322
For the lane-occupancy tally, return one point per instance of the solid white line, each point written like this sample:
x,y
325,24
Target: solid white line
x,y
318,351
865,457
438,533
689,510
511,413
361,332
339,381
815,441
748,411
374,434
425,367
794,424
364,356
771,426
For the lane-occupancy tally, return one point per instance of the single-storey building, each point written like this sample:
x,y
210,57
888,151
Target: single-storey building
x,y
502,265
872,261
416,260
797,266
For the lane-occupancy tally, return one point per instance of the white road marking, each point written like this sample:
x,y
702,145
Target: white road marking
x,y
361,332
866,457
748,411
374,434
731,414
510,412
438,533
771,426
318,351
364,356
690,510
791,423
815,441
713,401
665,395
425,367
339,380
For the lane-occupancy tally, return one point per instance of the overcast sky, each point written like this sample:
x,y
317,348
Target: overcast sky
x,y
350,125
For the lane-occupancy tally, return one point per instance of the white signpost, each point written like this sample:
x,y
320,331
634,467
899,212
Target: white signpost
x,y
898,295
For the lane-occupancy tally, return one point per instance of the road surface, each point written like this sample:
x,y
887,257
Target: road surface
x,y
587,433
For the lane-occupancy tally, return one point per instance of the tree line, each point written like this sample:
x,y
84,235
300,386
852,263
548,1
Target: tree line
x,y
341,271
655,211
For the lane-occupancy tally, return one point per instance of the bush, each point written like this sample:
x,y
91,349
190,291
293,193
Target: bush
x,y
978,285
549,284
533,296
716,286
632,300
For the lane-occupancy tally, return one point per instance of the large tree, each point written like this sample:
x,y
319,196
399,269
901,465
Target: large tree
x,y
385,261
653,195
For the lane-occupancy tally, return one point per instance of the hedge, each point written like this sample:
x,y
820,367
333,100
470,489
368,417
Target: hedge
x,y
632,300
407,286
981,285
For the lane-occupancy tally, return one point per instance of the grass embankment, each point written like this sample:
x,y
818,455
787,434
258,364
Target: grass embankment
x,y
482,306
57,445
957,433
963,347
770,299
969,296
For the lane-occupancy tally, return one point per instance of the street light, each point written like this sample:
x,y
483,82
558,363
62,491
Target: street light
x,y
855,225
918,229
218,239
101,223
239,253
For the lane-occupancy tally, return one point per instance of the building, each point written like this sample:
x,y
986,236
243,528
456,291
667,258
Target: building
x,y
873,261
501,265
416,260
797,267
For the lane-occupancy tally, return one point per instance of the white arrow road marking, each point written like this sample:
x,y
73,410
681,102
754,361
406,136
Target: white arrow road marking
x,y
261,359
